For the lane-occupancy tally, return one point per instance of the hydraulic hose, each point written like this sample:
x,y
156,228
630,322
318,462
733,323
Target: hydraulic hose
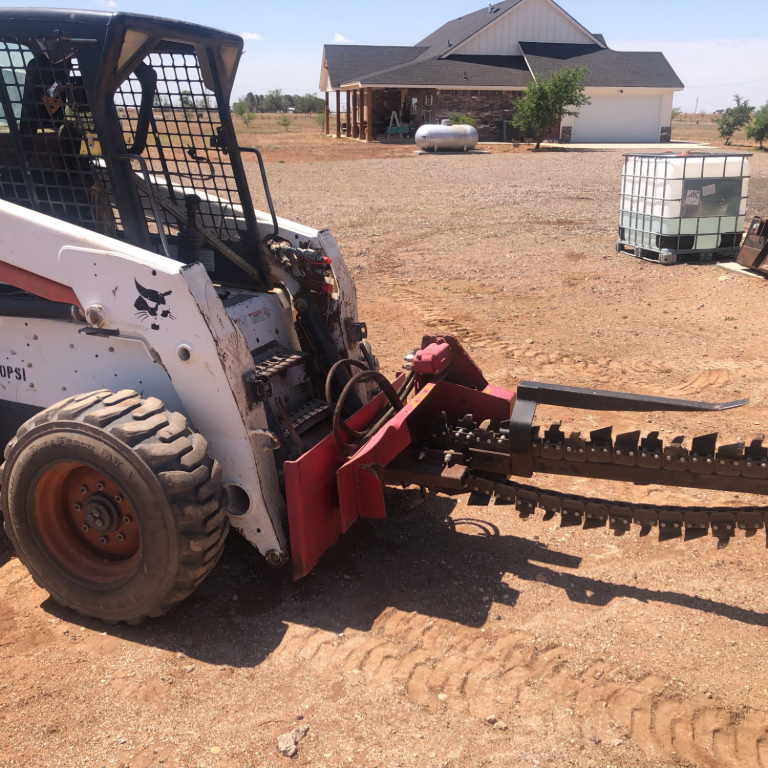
x,y
335,367
360,378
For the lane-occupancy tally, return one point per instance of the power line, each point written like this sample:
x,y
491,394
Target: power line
x,y
728,85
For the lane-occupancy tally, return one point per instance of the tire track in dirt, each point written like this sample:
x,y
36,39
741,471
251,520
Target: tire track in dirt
x,y
708,373
457,670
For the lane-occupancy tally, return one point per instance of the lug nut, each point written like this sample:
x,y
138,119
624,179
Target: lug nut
x,y
83,489
103,539
118,498
100,486
127,519
78,507
121,536
86,527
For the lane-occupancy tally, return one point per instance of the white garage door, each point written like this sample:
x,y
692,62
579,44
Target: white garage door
x,y
619,118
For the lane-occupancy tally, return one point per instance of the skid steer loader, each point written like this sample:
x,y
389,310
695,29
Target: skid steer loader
x,y
173,362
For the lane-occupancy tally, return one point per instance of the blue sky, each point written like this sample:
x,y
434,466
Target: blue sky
x,y
720,45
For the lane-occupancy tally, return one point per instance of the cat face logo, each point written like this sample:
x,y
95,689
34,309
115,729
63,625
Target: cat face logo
x,y
148,298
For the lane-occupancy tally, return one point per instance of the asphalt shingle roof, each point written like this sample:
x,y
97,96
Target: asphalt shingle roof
x,y
607,68
468,71
348,63
458,30
431,63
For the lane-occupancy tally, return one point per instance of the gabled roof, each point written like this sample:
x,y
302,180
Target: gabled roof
x,y
436,62
607,68
461,29
448,37
468,71
348,63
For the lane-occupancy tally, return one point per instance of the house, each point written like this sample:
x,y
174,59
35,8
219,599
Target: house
x,y
481,63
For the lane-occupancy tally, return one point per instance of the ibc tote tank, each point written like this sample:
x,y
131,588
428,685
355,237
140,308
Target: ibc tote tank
x,y
685,203
446,138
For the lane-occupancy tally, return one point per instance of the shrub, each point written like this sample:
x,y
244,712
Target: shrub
x,y
284,121
458,119
757,130
734,118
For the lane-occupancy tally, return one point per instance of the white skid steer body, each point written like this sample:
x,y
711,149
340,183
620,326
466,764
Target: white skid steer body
x,y
161,328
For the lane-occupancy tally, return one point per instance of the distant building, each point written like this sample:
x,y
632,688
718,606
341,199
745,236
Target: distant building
x,y
480,64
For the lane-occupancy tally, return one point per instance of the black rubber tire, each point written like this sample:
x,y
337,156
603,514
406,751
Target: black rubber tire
x,y
164,468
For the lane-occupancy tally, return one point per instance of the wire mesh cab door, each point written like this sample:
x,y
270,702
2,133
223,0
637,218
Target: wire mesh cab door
x,y
169,111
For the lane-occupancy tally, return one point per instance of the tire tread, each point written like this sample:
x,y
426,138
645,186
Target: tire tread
x,y
178,457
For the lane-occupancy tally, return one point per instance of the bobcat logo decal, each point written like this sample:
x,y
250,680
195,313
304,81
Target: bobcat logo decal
x,y
147,298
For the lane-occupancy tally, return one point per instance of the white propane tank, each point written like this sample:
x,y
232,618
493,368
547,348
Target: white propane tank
x,y
446,138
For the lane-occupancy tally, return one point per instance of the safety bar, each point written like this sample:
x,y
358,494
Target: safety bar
x,y
266,191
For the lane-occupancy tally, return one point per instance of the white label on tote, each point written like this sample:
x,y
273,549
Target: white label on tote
x,y
710,189
692,197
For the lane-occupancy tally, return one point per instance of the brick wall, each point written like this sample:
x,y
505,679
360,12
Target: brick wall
x,y
489,108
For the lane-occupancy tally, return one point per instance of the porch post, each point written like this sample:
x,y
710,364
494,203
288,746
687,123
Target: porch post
x,y
349,122
327,114
354,114
361,112
369,125
338,114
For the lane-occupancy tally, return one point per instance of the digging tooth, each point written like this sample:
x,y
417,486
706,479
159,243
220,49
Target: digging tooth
x,y
756,460
676,455
705,456
526,503
651,449
703,450
625,449
600,446
729,460
575,447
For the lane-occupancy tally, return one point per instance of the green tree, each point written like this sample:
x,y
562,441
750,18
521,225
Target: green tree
x,y
251,101
547,101
247,117
757,130
734,118
240,108
676,112
273,101
458,119
309,102
187,102
284,121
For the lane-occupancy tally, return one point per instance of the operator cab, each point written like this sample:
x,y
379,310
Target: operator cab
x,y
120,123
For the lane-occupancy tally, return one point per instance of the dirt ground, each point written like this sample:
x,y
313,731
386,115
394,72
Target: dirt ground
x,y
455,635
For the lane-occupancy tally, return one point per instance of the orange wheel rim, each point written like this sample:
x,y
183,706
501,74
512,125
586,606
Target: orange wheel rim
x,y
86,522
